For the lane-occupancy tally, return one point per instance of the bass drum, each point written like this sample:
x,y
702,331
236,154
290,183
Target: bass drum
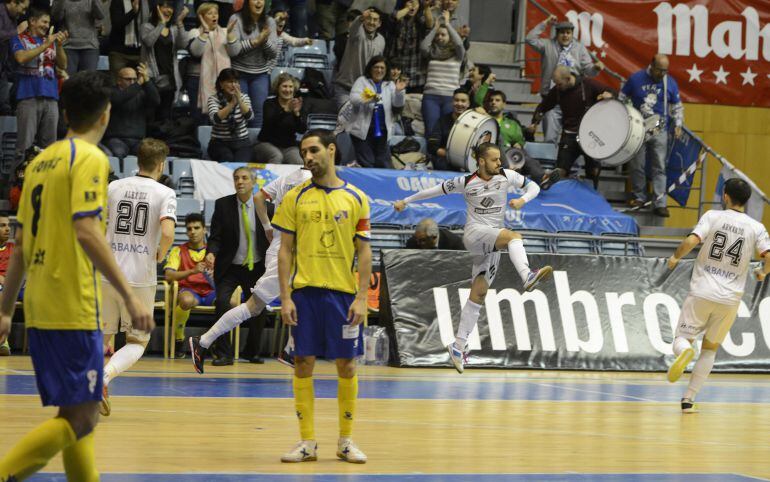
x,y
470,130
611,132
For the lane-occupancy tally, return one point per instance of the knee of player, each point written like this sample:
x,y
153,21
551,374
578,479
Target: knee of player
x,y
303,366
709,345
346,367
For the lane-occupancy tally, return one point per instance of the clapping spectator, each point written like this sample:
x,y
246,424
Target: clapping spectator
x,y
284,39
134,96
127,17
10,12
79,19
160,43
38,51
460,24
363,43
252,53
373,99
480,79
404,46
229,111
444,50
208,48
283,121
298,10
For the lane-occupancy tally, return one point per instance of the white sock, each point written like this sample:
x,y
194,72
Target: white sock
x,y
680,345
231,319
700,372
519,258
122,360
468,318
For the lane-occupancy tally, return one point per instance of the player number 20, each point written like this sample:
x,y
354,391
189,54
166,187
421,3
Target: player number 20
x,y
132,220
734,252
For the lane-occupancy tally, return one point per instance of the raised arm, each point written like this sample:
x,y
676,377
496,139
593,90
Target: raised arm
x,y
446,187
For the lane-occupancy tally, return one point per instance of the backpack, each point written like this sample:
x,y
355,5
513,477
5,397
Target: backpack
x,y
406,155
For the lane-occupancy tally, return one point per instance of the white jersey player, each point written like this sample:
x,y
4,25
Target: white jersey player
x,y
730,238
486,195
140,230
266,288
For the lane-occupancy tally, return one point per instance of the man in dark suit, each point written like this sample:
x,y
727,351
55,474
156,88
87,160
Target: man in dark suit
x,y
236,248
427,235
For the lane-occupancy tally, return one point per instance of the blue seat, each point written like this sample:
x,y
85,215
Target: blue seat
x,y
7,123
614,245
544,151
130,166
208,210
322,121
303,59
298,73
185,206
575,246
204,136
183,177
115,166
534,242
103,63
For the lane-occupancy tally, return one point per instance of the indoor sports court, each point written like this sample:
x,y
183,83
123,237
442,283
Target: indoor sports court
x,y
422,425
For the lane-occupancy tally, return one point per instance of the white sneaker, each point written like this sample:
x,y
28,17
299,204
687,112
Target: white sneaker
x,y
349,452
536,276
456,357
304,451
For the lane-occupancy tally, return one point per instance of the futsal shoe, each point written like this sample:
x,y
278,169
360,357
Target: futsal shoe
x,y
457,357
677,368
105,406
5,349
688,406
287,358
536,276
179,349
304,451
349,452
197,353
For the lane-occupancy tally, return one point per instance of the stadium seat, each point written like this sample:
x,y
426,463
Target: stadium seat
x,y
103,64
544,151
535,242
185,206
7,152
295,72
321,121
7,123
208,211
304,59
115,166
130,166
183,178
204,136
614,245
575,246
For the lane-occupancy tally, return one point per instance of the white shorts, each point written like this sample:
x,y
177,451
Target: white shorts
x,y
701,315
480,241
267,287
115,314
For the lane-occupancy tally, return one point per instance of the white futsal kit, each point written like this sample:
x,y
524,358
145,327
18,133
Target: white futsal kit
x,y
135,208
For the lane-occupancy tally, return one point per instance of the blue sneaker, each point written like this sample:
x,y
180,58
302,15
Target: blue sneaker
x,y
536,276
457,357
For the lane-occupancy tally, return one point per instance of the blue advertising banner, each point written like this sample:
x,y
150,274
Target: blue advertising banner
x,y
568,206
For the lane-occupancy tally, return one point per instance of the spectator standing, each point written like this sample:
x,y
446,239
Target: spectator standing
x,y
341,40
39,53
363,43
298,9
459,23
125,41
444,50
438,138
208,51
284,39
404,46
575,95
652,91
134,96
252,53
330,17
284,119
10,12
160,43
79,19
373,99
564,50
236,250
229,111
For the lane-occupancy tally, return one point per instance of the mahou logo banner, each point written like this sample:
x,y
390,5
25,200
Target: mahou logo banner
x,y
719,49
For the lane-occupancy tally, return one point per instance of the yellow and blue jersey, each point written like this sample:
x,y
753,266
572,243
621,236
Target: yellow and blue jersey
x,y
66,181
325,222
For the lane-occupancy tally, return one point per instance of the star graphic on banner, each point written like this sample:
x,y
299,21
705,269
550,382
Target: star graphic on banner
x,y
748,76
721,75
694,73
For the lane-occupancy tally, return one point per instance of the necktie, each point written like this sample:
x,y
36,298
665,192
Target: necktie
x,y
249,248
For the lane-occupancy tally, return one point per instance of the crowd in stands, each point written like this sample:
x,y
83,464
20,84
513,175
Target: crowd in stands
x,y
182,64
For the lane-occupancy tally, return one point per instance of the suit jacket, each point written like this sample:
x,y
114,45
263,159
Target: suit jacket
x,y
446,240
225,233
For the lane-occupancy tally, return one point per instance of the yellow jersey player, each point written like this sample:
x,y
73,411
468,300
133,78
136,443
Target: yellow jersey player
x,y
324,224
60,246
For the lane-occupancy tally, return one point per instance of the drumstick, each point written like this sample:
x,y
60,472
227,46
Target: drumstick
x,y
541,8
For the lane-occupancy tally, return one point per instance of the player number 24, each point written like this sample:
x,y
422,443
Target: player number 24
x,y
734,252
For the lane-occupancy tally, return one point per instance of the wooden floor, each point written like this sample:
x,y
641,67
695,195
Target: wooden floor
x,y
421,425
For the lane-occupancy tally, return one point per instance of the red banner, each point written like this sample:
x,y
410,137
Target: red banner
x,y
719,50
